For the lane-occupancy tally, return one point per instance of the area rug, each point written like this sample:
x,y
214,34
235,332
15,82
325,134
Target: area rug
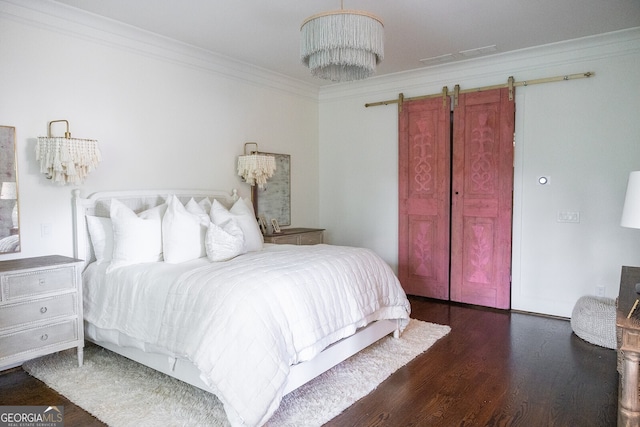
x,y
124,393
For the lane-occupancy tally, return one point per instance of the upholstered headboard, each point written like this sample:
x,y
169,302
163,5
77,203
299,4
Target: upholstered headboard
x,y
98,204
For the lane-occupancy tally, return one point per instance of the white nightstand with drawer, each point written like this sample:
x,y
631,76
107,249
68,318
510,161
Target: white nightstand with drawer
x,y
40,308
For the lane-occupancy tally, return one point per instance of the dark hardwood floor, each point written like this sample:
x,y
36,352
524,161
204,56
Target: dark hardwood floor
x,y
495,368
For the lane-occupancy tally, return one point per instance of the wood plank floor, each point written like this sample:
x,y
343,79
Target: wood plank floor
x,y
495,368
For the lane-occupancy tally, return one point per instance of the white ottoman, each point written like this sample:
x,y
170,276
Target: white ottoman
x,y
594,320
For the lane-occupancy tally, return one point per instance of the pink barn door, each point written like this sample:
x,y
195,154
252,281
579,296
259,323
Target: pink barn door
x,y
424,197
482,194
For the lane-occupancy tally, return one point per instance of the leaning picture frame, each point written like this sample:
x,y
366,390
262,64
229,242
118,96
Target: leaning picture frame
x,y
263,224
9,209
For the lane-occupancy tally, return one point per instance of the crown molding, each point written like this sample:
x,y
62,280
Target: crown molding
x,y
63,19
486,68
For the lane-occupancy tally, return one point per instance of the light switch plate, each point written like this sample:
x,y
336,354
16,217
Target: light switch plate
x,y
568,216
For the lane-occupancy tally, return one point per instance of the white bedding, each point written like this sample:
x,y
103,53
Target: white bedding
x,y
244,322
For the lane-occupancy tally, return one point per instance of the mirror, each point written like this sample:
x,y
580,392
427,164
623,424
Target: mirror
x,y
9,225
275,200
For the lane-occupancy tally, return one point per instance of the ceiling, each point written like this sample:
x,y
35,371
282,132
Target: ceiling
x,y
266,33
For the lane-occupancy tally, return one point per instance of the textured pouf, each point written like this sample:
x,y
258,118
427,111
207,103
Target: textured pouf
x,y
594,320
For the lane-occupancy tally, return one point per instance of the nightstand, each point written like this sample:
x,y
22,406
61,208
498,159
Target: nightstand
x,y
296,236
40,308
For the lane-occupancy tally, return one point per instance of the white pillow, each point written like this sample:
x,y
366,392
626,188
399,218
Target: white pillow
x,y
225,241
101,233
202,211
182,234
136,238
242,211
205,204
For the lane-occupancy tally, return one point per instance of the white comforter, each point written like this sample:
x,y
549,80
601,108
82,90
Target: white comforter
x,y
244,322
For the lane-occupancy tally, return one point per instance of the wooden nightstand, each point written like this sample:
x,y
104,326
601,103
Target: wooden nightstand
x,y
296,236
40,308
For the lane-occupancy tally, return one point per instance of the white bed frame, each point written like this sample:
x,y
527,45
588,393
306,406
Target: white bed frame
x,y
98,205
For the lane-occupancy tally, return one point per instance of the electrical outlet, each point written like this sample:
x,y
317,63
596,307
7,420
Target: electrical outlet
x,y
45,230
600,291
566,216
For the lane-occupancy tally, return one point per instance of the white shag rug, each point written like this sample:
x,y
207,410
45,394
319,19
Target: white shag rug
x,y
121,392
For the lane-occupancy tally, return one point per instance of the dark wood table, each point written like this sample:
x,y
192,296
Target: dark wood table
x,y
628,327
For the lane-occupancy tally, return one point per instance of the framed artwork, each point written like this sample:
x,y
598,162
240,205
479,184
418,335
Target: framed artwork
x,y
274,201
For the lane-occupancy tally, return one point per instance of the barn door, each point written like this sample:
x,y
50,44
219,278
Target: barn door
x,y
482,187
424,197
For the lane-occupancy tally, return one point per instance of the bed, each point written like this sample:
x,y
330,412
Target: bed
x,y
217,307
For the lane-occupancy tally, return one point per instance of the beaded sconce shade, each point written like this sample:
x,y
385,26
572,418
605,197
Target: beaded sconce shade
x,y
67,160
255,167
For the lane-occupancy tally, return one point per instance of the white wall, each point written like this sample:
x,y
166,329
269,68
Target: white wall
x,y
165,115
170,116
584,134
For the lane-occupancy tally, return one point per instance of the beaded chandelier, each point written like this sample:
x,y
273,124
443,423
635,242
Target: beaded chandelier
x,y
342,45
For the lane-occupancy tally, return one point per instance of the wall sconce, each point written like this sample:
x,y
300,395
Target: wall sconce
x,y
631,210
67,160
9,191
256,168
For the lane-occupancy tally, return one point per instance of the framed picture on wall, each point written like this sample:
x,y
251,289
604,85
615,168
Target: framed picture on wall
x,y
274,201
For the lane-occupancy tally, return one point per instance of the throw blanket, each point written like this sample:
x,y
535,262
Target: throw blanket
x,y
244,322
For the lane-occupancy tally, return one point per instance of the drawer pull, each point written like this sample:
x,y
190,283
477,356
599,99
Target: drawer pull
x,y
43,310
42,282
44,337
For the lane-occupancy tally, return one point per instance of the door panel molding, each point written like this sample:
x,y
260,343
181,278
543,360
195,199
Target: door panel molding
x,y
424,193
482,199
